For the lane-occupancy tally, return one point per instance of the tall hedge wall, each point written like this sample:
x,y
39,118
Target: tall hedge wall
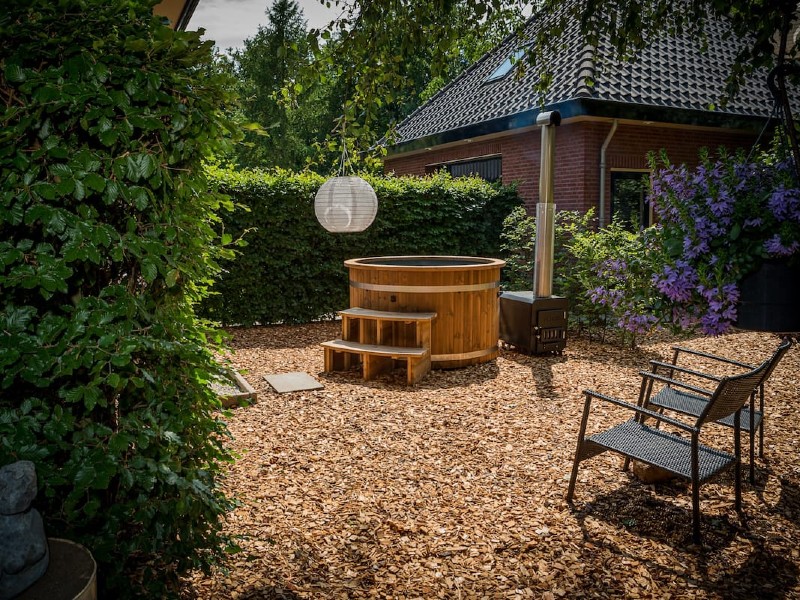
x,y
108,237
291,269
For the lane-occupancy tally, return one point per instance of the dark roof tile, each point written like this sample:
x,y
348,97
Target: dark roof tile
x,y
672,72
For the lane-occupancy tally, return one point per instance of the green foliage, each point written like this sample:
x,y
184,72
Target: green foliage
x,y
519,242
571,230
381,39
606,274
107,240
279,133
292,270
386,56
472,44
614,267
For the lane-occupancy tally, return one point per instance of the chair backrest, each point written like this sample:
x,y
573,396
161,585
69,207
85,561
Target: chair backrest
x,y
776,358
733,392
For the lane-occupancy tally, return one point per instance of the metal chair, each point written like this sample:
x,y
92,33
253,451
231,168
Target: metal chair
x,y
684,457
692,403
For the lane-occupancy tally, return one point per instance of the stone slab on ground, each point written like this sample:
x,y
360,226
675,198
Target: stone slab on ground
x,y
292,382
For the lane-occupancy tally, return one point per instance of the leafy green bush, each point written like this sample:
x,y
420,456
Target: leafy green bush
x,y
107,239
519,241
614,268
606,274
292,270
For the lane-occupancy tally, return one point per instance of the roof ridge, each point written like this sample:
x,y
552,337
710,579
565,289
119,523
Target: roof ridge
x,y
585,73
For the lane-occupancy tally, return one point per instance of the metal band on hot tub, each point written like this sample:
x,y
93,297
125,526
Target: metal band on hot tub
x,y
424,289
463,355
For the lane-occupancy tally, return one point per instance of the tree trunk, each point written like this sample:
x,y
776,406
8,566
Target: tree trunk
x,y
777,83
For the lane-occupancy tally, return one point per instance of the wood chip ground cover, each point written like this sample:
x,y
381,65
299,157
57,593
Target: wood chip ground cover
x,y
455,488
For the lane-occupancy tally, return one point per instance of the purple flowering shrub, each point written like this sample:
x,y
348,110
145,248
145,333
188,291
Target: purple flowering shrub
x,y
616,271
606,274
717,223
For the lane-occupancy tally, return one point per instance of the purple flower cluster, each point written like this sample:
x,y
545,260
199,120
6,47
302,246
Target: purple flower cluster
x,y
677,282
637,323
671,182
716,223
606,297
784,203
721,308
626,284
775,247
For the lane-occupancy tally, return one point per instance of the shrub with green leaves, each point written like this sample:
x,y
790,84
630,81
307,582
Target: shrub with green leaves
x,y
615,268
519,242
292,270
606,274
108,237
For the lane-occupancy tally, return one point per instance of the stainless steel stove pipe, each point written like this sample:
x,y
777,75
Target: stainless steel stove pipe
x,y
545,209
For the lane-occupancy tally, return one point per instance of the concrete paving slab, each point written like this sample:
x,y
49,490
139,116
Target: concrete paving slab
x,y
293,382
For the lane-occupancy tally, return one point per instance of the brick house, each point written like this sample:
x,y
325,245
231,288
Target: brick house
x,y
484,121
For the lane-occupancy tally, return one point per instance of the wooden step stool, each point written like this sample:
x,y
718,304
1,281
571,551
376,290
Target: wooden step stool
x,y
379,338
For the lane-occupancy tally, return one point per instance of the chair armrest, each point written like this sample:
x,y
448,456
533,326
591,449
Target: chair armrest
x,y
730,361
675,383
658,363
641,411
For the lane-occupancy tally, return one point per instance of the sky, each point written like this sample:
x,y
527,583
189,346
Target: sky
x,y
230,22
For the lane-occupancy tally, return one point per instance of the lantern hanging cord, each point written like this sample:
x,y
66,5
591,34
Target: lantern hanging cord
x,y
345,160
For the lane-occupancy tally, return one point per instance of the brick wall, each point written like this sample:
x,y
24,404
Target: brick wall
x,y
577,159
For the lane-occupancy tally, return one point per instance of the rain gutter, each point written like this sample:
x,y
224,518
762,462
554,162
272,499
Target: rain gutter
x,y
586,107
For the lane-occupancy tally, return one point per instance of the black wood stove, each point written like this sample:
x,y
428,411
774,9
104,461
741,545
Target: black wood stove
x,y
535,321
533,325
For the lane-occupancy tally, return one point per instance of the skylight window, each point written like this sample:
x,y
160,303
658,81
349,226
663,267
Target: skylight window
x,y
506,66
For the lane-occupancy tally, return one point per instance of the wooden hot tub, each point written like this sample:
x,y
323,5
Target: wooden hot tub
x,y
461,290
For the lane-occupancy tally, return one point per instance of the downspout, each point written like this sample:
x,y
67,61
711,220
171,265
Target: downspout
x,y
601,213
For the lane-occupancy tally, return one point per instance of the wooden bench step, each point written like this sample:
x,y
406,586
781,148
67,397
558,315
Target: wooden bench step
x,y
390,351
387,328
376,359
367,313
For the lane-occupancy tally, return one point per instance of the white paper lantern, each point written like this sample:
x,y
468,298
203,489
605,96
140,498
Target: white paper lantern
x,y
346,204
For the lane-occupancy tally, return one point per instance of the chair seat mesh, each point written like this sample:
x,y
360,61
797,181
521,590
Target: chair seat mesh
x,y
689,404
661,449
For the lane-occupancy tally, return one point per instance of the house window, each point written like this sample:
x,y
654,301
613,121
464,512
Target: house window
x,y
488,168
629,203
506,66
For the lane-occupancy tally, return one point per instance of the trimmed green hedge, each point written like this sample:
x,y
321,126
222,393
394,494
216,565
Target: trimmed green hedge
x,y
291,270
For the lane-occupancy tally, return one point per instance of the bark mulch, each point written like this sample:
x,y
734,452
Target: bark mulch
x,y
454,488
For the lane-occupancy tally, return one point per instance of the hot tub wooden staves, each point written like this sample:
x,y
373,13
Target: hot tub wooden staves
x,y
461,290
